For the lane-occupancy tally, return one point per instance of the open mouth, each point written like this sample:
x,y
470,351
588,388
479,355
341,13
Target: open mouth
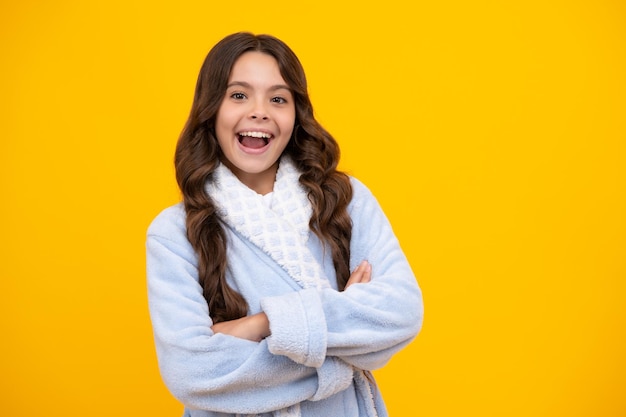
x,y
254,140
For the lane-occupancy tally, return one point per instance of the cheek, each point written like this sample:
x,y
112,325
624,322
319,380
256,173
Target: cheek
x,y
224,127
225,114
223,131
287,122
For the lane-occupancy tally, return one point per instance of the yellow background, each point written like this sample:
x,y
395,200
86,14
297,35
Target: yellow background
x,y
493,134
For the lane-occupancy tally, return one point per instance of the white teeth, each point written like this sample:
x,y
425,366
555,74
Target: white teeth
x,y
256,134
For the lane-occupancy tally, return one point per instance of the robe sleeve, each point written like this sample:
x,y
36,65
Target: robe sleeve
x,y
365,324
211,371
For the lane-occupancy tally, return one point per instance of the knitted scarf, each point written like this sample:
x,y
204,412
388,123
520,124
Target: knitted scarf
x,y
281,231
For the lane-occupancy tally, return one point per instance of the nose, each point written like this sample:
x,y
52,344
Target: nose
x,y
258,112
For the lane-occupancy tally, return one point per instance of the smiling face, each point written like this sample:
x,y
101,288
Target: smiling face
x,y
255,120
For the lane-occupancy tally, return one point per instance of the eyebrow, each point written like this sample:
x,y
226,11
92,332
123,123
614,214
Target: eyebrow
x,y
248,85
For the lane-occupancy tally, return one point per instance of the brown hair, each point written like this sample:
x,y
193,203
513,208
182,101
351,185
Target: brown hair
x,y
312,148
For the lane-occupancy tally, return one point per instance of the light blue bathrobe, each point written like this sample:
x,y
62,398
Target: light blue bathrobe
x,y
321,338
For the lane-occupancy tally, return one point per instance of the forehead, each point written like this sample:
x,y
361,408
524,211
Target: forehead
x,y
256,68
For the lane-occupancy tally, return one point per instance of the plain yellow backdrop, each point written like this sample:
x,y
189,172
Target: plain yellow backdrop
x,y
493,134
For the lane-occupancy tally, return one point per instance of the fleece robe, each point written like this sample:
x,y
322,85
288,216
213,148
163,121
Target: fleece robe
x,y
321,339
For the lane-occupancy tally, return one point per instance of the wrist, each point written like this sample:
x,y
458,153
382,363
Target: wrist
x,y
263,324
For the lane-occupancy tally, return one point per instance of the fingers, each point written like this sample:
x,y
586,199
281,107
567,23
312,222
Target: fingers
x,y
366,272
361,275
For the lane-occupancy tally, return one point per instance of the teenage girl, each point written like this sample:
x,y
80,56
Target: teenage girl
x,y
277,285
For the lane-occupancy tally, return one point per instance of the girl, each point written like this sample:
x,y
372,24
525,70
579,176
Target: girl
x,y
253,303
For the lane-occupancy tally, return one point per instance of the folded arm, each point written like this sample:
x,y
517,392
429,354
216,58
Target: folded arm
x,y
363,325
210,370
256,327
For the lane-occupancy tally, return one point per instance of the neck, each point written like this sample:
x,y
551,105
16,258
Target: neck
x,y
261,183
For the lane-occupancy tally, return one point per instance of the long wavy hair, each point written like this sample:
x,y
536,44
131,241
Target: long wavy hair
x,y
312,148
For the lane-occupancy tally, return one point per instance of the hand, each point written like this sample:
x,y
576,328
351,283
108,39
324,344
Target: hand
x,y
254,328
361,275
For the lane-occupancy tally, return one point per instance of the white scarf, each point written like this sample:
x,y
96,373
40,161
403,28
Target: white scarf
x,y
281,231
